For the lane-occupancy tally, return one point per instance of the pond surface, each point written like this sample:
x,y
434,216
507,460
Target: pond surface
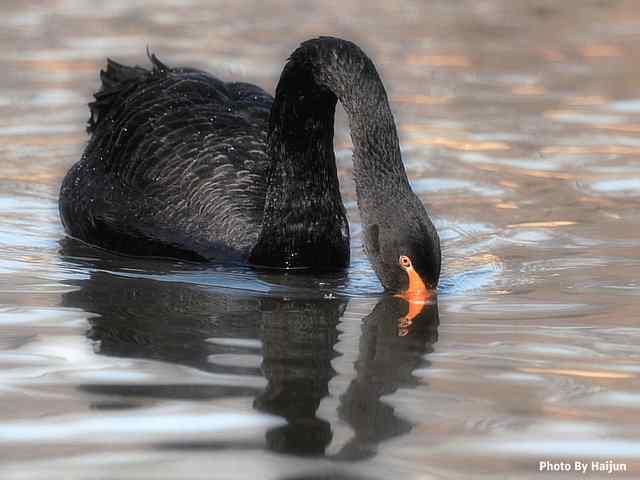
x,y
519,125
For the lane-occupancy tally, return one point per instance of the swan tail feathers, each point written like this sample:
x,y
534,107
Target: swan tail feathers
x,y
159,68
116,80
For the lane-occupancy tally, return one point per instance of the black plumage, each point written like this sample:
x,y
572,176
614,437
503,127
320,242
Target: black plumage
x,y
182,164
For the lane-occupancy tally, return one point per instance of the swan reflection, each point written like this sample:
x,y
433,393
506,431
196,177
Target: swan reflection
x,y
221,332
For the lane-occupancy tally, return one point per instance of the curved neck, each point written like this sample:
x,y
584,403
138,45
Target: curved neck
x,y
304,215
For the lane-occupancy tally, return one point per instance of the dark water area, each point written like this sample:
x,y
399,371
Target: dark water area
x,y
519,125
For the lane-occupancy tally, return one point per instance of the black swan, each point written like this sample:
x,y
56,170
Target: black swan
x,y
182,164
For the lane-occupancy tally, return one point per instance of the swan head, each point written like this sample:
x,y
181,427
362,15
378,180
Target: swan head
x,y
404,251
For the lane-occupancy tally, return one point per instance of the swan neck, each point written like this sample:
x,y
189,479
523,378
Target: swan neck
x,y
331,67
303,197
345,70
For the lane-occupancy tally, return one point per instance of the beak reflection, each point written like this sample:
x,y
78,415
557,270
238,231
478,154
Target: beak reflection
x,y
417,291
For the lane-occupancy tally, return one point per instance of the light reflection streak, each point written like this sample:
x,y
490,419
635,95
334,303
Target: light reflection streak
x,y
421,99
578,373
528,90
549,224
530,173
591,150
439,60
597,51
465,145
40,141
58,65
621,127
586,100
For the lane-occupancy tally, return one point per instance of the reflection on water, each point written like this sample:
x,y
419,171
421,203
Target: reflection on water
x,y
389,352
519,126
233,336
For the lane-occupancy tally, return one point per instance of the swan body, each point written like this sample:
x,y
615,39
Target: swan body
x,y
182,164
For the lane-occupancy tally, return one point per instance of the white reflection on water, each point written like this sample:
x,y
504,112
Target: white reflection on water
x,y
571,446
170,422
626,106
626,186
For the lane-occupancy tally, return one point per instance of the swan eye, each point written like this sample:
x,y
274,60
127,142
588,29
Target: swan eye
x,y
405,262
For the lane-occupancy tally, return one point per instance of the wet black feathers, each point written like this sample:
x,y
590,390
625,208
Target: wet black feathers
x,y
117,80
176,156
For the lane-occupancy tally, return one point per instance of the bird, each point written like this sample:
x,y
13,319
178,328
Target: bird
x,y
182,164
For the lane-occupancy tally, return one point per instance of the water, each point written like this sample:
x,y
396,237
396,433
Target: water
x,y
519,126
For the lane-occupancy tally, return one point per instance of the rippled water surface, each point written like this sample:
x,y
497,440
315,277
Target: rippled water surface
x,y
519,124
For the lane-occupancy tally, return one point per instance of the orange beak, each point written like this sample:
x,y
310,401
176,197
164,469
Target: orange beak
x,y
416,295
417,290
